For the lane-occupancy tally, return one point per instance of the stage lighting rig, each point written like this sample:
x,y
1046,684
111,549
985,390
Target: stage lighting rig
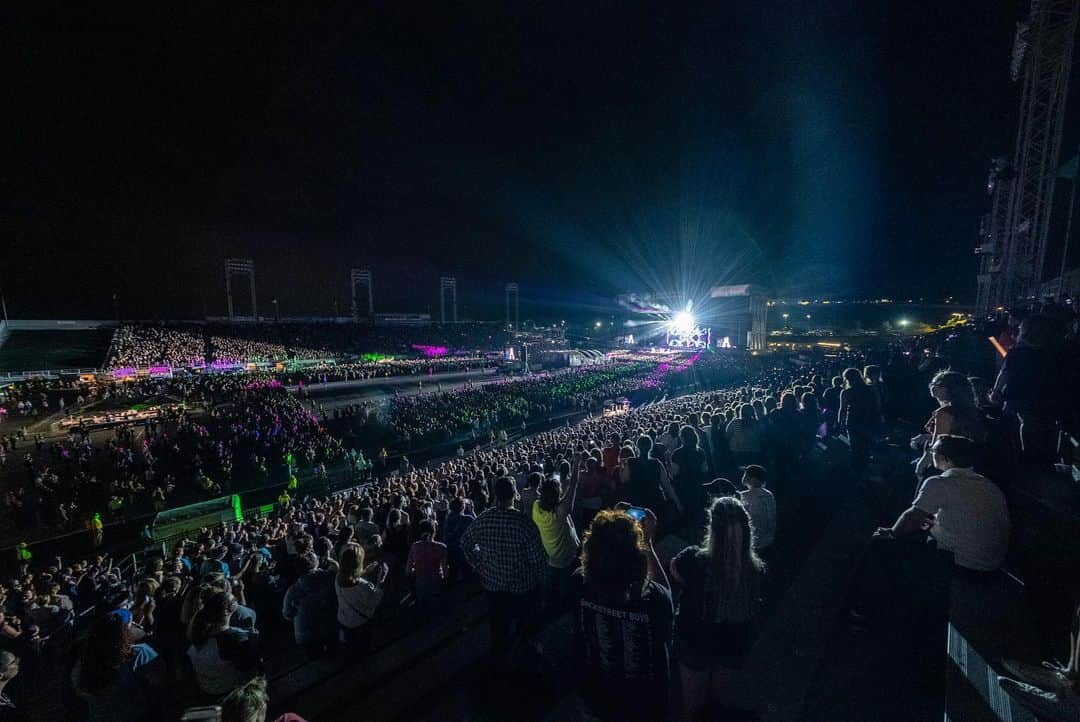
x,y
683,323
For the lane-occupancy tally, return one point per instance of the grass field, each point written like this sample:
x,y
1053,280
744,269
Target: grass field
x,y
40,350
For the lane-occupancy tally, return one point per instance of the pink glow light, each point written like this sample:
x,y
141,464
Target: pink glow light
x,y
654,379
431,351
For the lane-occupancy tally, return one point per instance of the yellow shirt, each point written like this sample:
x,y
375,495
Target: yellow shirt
x,y
558,536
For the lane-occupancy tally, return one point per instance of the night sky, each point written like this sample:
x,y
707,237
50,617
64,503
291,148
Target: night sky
x,y
582,149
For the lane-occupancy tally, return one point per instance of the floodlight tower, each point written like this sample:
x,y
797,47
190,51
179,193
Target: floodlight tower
x,y
240,267
448,288
360,280
1013,244
512,318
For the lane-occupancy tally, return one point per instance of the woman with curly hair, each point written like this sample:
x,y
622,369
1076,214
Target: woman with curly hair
x,y
623,619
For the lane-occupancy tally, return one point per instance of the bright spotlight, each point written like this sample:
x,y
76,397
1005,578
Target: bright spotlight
x,y
904,322
682,323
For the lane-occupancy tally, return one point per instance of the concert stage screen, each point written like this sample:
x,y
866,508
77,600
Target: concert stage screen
x,y
690,338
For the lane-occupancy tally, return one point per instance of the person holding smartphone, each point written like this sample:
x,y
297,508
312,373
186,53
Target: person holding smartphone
x,y
623,619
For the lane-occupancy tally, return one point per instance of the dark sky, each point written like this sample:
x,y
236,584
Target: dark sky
x,y
582,149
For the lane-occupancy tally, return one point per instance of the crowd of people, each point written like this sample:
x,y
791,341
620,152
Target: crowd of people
x,y
140,345
245,434
358,370
330,565
565,519
156,345
245,343
510,403
359,339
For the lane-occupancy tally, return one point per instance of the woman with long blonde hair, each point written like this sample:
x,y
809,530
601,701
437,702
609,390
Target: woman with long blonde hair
x,y
359,590
715,621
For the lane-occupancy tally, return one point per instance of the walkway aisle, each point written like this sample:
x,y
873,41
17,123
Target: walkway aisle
x,y
792,644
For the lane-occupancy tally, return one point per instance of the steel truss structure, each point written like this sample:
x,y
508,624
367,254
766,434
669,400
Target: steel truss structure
x,y
1013,235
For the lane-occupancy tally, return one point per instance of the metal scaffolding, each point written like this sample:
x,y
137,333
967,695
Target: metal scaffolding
x,y
1013,237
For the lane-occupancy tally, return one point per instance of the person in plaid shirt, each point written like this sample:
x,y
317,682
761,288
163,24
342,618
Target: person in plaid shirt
x,y
503,547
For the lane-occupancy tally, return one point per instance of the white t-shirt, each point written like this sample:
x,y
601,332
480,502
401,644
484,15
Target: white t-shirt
x,y
761,506
971,518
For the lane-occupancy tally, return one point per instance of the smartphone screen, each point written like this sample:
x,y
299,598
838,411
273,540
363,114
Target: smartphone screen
x,y
209,714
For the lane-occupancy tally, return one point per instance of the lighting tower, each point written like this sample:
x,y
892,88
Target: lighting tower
x,y
447,288
1013,243
360,280
239,267
512,310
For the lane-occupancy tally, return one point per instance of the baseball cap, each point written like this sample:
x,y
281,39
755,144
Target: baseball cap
x,y
756,471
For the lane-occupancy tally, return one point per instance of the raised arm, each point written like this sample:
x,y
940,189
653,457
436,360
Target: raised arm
x,y
566,503
656,569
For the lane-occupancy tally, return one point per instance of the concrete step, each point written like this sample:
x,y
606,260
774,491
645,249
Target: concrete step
x,y
321,689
